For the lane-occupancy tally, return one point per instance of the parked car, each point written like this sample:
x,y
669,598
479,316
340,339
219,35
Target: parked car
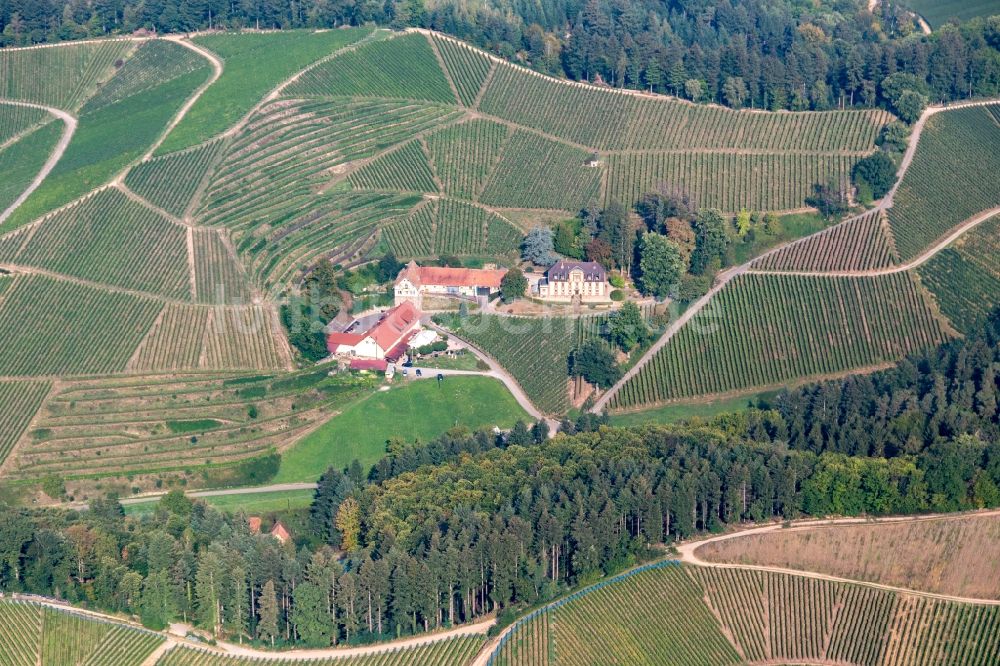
x,y
420,372
406,372
440,377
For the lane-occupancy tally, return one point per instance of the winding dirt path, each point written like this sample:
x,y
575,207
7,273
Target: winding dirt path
x,y
217,68
54,157
886,202
687,552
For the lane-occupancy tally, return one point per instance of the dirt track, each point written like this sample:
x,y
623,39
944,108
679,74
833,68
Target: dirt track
x,y
54,158
886,202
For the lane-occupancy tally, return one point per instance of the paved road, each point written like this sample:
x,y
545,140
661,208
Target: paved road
x,y
54,158
886,202
498,372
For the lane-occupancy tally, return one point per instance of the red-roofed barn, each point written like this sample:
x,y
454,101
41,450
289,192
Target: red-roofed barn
x,y
385,340
415,281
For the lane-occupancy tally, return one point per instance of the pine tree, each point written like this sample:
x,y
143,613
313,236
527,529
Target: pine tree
x,y
267,613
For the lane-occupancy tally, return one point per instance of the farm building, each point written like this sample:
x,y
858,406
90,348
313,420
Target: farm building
x,y
416,281
385,339
566,281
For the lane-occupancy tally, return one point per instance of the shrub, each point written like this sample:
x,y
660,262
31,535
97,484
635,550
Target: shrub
x,y
618,295
617,281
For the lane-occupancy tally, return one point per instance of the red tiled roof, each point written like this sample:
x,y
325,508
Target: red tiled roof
x,y
396,323
452,277
280,533
369,364
333,340
254,524
397,351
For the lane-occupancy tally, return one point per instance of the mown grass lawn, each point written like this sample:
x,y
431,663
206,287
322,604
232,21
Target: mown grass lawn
x,y
250,503
410,410
683,411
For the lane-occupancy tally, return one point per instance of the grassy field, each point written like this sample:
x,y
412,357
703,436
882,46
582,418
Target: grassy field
x,y
249,503
413,410
685,410
954,556
939,12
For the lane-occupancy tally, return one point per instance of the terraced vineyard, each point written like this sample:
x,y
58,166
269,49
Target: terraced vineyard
x,y
860,244
965,145
468,67
218,275
445,652
151,64
464,155
535,172
702,615
762,330
31,634
965,277
406,169
216,338
21,160
254,65
145,425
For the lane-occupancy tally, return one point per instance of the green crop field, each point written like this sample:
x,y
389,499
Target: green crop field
x,y
106,141
63,76
406,169
416,410
253,65
444,652
861,244
108,238
32,634
965,277
55,327
21,161
939,12
171,181
763,330
19,402
965,145
464,155
676,614
144,424
404,67
16,120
